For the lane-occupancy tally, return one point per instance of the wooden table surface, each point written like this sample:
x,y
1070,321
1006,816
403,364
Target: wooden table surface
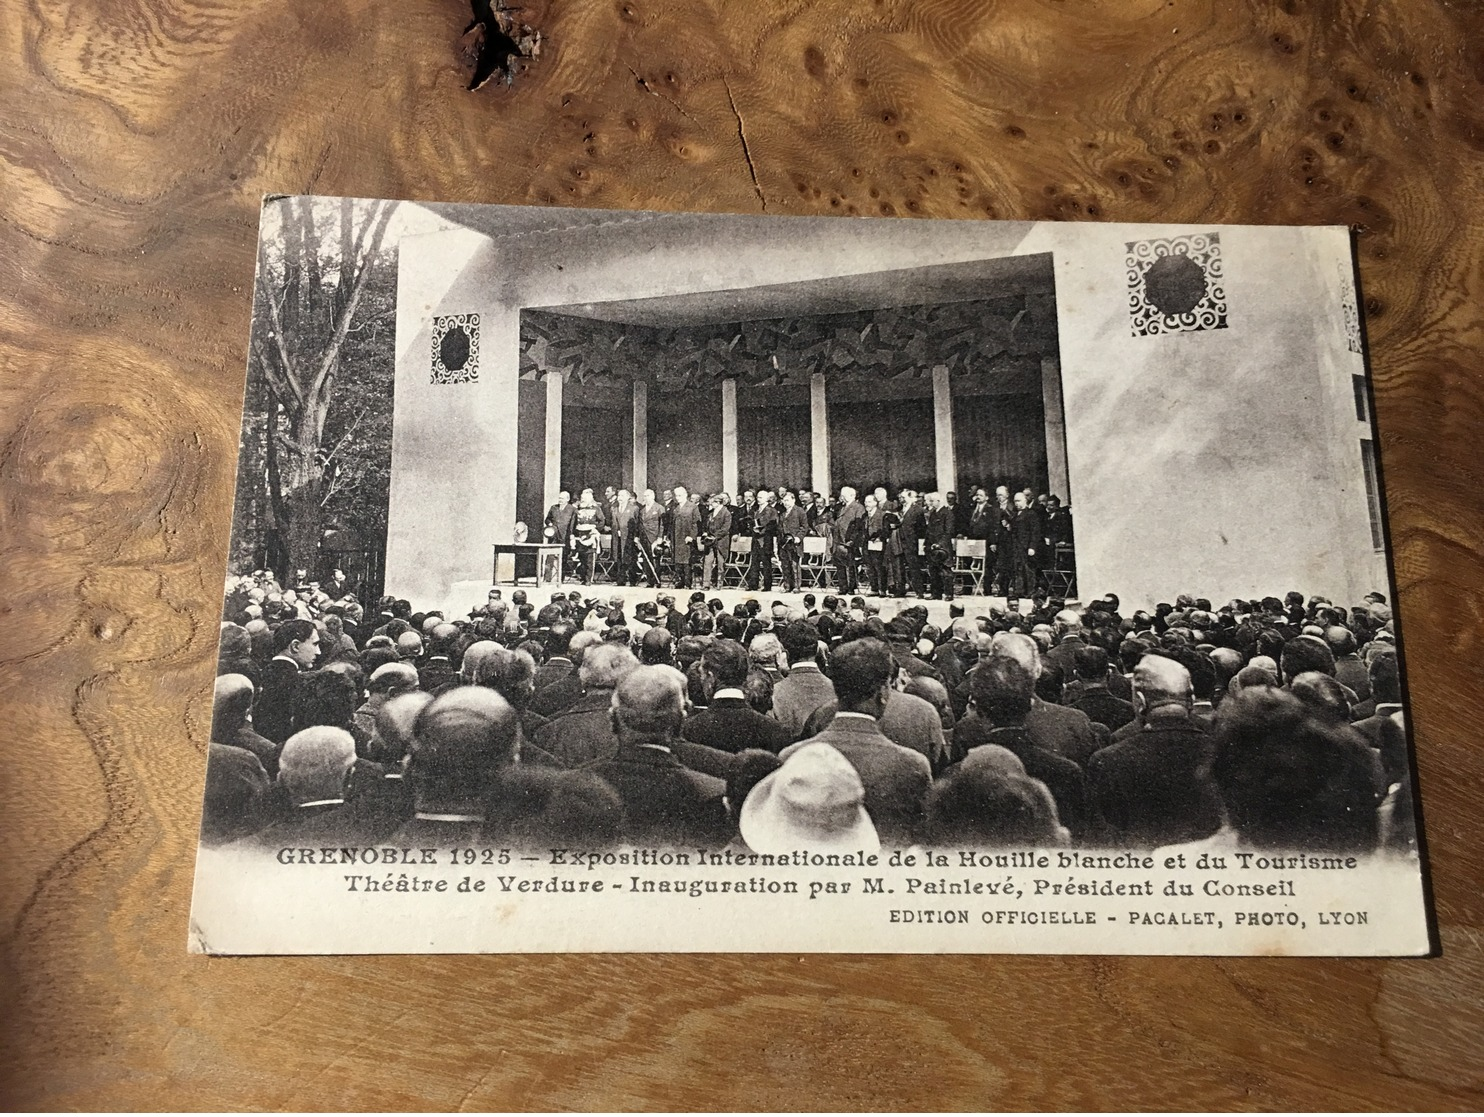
x,y
136,138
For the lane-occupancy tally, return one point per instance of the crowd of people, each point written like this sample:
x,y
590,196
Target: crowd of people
x,y
589,723
902,547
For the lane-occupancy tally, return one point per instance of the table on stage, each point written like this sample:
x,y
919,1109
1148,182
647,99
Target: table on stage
x,y
541,563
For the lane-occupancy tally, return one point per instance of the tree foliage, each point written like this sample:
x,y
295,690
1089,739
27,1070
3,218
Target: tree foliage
x,y
316,435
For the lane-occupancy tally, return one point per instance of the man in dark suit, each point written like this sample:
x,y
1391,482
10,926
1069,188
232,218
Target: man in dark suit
x,y
559,518
1067,626
664,802
1000,540
910,533
876,543
939,547
650,529
718,530
850,540
1059,729
895,777
792,526
1025,547
685,540
764,540
557,665
1148,787
981,517
1095,699
729,723
231,721
295,648
583,732
625,513
1002,691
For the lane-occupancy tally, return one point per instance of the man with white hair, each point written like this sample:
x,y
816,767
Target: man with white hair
x,y
1149,788
850,540
764,541
1067,632
664,802
583,733
386,682
1060,729
938,548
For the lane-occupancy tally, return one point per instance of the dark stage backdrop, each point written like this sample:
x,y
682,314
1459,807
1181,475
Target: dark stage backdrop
x,y
530,455
773,437
597,438
881,433
1000,440
685,441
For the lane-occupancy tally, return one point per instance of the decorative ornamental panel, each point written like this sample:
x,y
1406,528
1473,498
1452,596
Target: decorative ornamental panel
x,y
1176,285
456,349
1348,297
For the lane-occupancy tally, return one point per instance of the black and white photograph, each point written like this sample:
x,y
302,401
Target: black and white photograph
x,y
666,581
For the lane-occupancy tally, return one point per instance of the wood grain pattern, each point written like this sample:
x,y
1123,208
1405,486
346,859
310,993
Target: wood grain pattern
x,y
136,137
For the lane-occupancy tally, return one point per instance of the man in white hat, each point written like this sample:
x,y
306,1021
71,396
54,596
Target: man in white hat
x,y
815,802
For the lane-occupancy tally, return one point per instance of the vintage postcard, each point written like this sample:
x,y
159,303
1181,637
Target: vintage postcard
x,y
623,581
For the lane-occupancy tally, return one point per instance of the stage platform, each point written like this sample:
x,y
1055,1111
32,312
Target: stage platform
x,y
938,611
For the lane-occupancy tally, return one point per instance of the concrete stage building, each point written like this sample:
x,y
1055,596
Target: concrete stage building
x,y
1196,394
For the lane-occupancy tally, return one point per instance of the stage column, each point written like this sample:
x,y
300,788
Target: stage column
x,y
555,382
1056,429
947,470
640,480
729,436
819,434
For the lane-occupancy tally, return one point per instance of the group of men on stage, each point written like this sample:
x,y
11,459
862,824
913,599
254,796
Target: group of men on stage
x,y
901,547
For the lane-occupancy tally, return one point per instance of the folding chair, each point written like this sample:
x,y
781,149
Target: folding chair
x,y
969,557
607,568
813,561
1061,577
737,563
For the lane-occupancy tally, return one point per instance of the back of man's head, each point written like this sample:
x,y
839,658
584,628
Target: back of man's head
x,y
1291,779
394,739
1161,681
463,737
559,637
801,642
314,764
578,646
232,698
1092,664
1341,640
656,647
979,806
1386,679
603,666
393,678
1067,622
1202,671
1322,693
649,704
1002,689
727,662
859,669
1306,653
1019,647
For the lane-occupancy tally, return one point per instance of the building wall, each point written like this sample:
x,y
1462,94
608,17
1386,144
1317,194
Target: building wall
x,y
1208,462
